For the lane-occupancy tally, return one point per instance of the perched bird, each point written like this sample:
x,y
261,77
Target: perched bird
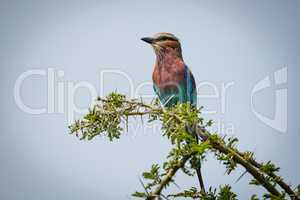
x,y
173,81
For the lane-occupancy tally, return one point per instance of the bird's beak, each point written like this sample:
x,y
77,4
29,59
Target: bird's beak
x,y
148,40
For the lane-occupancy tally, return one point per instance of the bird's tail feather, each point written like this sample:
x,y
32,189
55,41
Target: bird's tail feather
x,y
199,174
192,131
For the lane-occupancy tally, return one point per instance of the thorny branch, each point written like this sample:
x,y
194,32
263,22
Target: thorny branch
x,y
109,113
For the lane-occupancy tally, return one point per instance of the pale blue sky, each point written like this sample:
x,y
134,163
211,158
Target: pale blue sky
x,y
238,41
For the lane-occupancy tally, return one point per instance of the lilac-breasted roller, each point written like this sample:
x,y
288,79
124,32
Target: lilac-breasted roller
x,y
173,81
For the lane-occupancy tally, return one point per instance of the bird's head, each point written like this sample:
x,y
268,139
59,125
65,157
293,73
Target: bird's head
x,y
164,42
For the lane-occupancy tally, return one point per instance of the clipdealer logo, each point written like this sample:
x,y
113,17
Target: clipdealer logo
x,y
61,95
279,120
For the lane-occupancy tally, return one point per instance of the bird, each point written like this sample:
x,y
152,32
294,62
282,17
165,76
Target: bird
x,y
173,81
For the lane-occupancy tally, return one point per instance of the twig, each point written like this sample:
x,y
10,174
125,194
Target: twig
x,y
240,160
276,178
167,178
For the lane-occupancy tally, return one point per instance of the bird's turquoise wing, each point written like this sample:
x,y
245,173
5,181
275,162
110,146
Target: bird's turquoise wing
x,y
191,91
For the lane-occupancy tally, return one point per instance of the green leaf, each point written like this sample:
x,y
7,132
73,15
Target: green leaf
x,y
139,194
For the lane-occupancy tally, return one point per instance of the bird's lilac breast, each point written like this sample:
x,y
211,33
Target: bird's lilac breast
x,y
169,75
